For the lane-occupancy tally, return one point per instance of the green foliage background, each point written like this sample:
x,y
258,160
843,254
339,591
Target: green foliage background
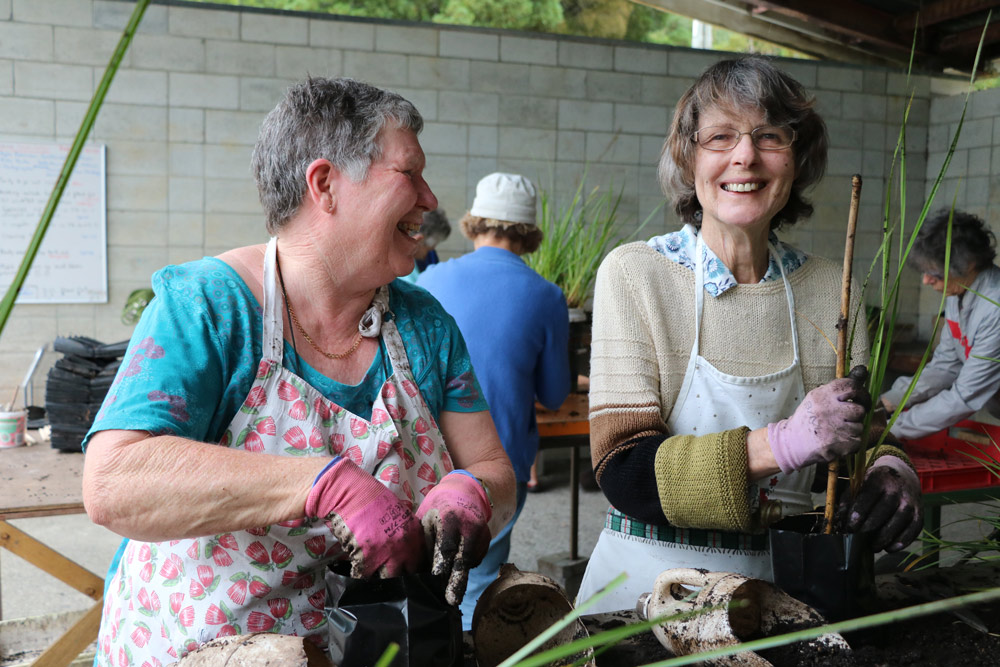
x,y
610,19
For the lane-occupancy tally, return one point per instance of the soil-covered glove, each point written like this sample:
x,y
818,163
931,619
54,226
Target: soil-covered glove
x,y
454,516
827,425
888,505
377,530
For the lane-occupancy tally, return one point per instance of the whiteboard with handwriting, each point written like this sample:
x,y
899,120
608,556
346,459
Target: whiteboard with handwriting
x,y
71,265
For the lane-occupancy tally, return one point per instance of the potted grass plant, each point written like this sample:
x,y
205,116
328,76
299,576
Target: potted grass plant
x,y
578,235
832,571
89,118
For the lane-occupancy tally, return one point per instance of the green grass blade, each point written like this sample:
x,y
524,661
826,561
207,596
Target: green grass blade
x,y
388,655
981,296
554,629
607,639
7,304
874,620
937,324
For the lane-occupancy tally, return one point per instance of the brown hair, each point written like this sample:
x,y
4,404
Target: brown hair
x,y
526,236
747,82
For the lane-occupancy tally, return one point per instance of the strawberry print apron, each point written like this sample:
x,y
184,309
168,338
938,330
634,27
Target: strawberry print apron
x,y
167,598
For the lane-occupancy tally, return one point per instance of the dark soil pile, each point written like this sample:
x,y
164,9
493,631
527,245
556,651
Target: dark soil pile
x,y
938,640
929,641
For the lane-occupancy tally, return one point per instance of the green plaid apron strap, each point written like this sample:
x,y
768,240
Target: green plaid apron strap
x,y
696,537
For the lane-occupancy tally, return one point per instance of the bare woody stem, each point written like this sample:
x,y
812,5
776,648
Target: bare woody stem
x,y
845,309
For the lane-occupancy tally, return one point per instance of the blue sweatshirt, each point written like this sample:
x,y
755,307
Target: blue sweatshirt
x,y
516,326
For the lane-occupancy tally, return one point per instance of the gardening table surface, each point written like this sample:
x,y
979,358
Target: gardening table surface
x,y
38,480
570,419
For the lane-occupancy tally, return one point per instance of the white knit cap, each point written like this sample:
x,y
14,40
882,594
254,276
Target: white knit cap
x,y
506,197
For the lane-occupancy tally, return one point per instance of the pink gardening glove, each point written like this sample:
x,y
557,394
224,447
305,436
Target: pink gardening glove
x,y
826,425
454,516
888,505
376,529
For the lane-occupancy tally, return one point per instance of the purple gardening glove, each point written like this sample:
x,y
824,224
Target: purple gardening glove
x,y
888,505
454,516
376,529
826,425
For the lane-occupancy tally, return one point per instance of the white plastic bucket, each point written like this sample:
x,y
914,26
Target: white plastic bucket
x,y
12,426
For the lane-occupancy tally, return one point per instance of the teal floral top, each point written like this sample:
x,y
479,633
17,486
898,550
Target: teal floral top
x,y
193,355
680,247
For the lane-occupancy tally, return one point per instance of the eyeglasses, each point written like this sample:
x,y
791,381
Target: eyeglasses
x,y
765,138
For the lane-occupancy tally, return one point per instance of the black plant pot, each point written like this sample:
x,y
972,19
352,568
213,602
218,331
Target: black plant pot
x,y
833,574
579,346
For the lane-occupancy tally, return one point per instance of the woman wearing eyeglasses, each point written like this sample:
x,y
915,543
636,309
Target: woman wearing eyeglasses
x,y
963,376
712,394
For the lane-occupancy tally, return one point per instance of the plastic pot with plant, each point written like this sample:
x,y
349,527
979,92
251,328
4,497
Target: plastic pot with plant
x,y
821,563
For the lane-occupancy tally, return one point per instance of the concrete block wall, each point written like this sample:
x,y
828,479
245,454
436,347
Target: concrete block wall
x,y
182,116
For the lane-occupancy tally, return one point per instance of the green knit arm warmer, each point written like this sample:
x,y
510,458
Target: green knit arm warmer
x,y
702,480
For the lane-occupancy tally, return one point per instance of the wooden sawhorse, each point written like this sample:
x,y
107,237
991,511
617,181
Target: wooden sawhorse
x,y
40,481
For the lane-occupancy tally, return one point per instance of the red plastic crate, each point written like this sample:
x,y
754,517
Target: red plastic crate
x,y
942,459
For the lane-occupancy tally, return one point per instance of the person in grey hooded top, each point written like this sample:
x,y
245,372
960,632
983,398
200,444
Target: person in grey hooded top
x,y
962,377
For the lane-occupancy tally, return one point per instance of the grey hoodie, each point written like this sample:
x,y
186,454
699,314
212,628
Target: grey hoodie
x,y
957,382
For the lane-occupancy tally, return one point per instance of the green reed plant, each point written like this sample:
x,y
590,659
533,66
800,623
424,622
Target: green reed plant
x,y
865,622
577,237
89,118
604,640
893,252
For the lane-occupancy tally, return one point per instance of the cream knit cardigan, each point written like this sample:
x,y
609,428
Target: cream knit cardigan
x,y
643,332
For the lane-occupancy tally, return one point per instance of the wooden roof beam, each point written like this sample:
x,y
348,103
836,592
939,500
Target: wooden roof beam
x,y
737,17
845,17
937,12
967,40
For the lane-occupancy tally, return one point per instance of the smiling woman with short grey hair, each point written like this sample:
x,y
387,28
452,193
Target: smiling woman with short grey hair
x,y
339,119
290,405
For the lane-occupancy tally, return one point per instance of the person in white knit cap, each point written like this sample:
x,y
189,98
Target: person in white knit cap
x,y
516,325
712,391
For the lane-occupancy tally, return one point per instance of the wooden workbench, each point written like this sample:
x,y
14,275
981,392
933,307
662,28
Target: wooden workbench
x,y
569,426
38,481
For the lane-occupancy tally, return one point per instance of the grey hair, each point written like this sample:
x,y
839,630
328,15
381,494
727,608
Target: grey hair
x,y
435,224
973,245
338,119
733,86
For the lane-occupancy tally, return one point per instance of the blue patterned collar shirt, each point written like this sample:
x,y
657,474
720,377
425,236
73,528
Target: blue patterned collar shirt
x,y
680,247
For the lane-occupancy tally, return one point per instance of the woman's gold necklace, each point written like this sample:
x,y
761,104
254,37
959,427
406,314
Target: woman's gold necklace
x,y
328,355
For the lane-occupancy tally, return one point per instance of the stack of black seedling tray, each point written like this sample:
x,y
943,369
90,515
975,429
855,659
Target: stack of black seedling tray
x,y
76,386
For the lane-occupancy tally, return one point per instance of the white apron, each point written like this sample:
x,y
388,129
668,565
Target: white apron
x,y
168,597
709,401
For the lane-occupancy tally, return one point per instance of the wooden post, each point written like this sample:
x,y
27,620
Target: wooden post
x,y
845,312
